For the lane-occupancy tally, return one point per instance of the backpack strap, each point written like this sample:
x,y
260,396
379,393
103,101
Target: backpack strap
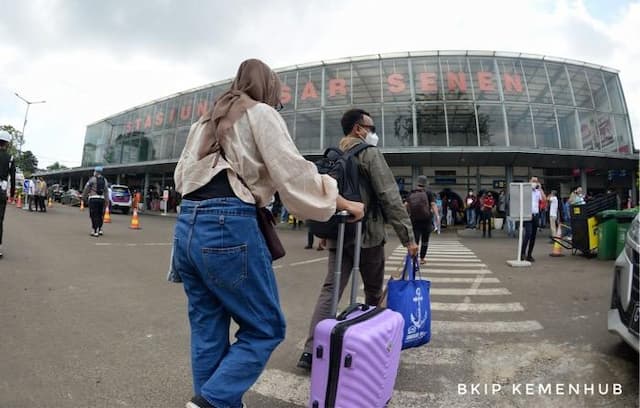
x,y
354,151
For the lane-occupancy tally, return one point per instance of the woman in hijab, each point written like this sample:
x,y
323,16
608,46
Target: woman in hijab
x,y
235,158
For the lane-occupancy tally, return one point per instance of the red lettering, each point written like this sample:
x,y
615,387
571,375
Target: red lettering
x,y
185,112
147,122
456,80
485,81
309,91
172,115
138,121
396,83
159,118
202,107
428,82
337,86
512,83
285,94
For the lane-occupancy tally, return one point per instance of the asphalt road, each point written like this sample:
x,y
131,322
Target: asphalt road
x,y
91,322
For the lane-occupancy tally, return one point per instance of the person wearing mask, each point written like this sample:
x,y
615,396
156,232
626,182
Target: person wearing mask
x,y
7,177
502,207
531,226
470,209
235,158
577,197
381,196
42,194
423,211
31,193
437,223
487,203
553,213
96,194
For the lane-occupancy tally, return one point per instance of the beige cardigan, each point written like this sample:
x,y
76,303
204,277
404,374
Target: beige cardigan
x,y
259,149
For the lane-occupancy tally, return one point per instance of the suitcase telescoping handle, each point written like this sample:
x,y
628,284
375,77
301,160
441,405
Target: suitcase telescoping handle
x,y
342,222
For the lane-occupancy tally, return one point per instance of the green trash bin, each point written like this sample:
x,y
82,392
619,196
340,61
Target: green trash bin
x,y
607,234
624,219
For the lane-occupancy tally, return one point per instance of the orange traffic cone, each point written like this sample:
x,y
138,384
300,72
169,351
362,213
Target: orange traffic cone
x,y
81,205
135,222
50,203
557,248
107,216
19,201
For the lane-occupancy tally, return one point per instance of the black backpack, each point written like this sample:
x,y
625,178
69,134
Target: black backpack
x,y
343,167
419,206
100,184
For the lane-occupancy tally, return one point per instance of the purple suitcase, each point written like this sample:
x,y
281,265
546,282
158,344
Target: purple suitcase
x,y
355,356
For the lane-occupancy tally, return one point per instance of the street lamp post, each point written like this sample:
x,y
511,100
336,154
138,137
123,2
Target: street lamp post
x,y
24,125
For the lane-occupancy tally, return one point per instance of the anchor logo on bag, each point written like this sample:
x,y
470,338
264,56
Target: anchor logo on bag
x,y
420,320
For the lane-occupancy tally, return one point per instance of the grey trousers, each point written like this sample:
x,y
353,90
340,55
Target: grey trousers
x,y
371,272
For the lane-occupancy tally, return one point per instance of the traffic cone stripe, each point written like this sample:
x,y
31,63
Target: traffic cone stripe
x,y
107,216
135,222
556,251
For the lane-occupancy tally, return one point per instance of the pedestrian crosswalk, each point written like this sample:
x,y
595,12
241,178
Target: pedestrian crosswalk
x,y
466,298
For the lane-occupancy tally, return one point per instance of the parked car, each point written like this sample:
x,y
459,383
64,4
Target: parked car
x,y
71,197
623,313
120,198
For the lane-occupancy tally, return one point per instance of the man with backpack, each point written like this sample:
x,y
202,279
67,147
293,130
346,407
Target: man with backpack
x,y
7,177
96,193
422,208
378,191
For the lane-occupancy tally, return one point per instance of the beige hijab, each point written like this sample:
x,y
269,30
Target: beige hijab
x,y
255,82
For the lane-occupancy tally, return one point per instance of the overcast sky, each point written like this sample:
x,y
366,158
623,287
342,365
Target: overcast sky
x,y
91,59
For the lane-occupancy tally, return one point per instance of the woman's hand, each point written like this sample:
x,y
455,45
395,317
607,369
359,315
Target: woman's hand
x,y
354,208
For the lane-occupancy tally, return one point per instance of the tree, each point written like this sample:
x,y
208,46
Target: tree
x,y
28,163
57,166
16,138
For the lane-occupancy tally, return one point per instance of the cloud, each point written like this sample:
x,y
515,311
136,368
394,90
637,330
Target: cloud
x,y
90,60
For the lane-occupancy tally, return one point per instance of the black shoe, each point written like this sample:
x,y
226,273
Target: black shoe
x,y
530,259
199,402
305,361
308,247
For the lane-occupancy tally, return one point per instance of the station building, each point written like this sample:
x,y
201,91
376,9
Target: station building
x,y
465,119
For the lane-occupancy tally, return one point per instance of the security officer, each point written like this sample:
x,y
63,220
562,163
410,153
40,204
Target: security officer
x,y
7,177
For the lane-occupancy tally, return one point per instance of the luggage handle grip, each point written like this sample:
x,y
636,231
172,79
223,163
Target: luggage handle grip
x,y
352,308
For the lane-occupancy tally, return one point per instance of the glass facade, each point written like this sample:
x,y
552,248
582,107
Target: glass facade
x,y
443,99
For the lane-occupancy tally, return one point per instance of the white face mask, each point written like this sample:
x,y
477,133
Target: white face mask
x,y
372,139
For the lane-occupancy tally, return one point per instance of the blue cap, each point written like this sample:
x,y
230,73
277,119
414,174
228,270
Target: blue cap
x,y
98,169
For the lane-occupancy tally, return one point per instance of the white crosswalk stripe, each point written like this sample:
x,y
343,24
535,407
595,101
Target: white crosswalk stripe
x,y
477,307
438,279
398,269
449,264
438,327
296,389
469,292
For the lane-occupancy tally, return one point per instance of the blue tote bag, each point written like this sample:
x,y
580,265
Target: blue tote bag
x,y
410,297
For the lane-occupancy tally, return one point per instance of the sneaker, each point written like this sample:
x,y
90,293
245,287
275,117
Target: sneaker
x,y
100,231
0,251
308,246
94,234
530,259
198,402
305,361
